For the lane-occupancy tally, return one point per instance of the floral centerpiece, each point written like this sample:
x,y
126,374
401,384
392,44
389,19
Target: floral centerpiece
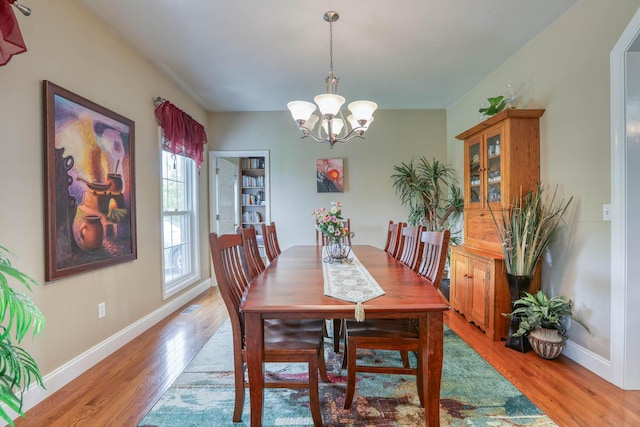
x,y
332,225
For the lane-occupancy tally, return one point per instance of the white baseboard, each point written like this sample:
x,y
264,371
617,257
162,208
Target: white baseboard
x,y
66,373
590,360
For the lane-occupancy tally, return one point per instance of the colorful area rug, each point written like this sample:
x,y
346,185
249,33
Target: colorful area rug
x,y
473,393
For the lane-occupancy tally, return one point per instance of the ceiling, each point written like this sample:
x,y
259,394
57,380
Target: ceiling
x,y
257,55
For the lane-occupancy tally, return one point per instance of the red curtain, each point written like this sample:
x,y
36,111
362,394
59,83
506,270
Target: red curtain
x,y
11,42
181,133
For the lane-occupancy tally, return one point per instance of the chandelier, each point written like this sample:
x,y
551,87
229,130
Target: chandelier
x,y
333,127
26,11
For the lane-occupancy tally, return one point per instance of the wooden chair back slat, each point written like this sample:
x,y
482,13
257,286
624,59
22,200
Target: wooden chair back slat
x,y
434,255
250,253
271,246
412,249
394,237
231,279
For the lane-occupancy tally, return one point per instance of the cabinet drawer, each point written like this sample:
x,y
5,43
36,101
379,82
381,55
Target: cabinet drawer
x,y
481,230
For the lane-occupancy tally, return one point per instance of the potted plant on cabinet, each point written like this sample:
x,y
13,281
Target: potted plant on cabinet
x,y
525,231
544,321
18,316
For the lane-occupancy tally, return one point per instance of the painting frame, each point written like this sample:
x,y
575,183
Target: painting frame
x,y
330,176
89,173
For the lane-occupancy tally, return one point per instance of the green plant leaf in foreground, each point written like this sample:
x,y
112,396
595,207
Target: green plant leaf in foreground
x,y
18,315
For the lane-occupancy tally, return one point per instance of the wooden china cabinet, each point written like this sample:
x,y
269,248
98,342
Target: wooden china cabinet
x,y
501,162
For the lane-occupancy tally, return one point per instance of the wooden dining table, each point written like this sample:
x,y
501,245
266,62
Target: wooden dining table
x,y
292,286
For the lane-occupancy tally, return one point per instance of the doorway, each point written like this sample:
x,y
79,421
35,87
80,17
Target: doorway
x,y
226,183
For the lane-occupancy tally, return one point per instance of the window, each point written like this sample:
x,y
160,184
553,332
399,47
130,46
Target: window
x,y
179,217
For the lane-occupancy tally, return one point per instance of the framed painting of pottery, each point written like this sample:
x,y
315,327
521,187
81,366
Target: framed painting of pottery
x,y
89,185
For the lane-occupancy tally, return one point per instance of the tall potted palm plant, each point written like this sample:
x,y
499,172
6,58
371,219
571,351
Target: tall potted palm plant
x,y
431,191
18,316
525,231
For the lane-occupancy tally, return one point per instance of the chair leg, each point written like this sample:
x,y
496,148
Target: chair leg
x,y
338,331
419,380
325,333
405,358
346,352
322,368
350,354
238,373
314,399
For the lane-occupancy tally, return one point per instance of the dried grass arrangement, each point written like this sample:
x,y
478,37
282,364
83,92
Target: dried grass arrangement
x,y
527,228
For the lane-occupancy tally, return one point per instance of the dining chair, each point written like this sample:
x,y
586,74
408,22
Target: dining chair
x,y
250,253
394,238
411,248
285,341
435,246
322,239
270,237
394,334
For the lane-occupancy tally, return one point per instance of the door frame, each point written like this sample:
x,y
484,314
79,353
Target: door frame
x,y
213,157
624,346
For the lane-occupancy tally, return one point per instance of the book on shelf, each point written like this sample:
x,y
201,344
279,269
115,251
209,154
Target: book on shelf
x,y
251,217
253,163
252,181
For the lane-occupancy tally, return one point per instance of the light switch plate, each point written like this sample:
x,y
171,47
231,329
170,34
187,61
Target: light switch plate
x,y
606,212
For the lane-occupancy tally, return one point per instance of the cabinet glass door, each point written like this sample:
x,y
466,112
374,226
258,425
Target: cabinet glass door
x,y
475,177
493,177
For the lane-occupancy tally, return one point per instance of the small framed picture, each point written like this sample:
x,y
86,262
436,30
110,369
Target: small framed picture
x,y
330,175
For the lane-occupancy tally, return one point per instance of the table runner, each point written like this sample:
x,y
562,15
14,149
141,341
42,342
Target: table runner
x,y
350,281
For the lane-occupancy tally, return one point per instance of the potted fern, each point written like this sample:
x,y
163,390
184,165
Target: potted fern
x,y
544,321
18,316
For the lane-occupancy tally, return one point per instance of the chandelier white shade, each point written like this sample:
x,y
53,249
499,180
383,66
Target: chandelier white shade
x,y
332,127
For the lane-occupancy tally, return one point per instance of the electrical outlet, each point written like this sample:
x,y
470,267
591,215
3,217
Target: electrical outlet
x,y
101,310
606,212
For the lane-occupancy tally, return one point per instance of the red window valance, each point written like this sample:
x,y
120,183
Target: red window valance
x,y
11,41
181,133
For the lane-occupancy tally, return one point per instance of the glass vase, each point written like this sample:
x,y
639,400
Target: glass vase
x,y
336,250
511,97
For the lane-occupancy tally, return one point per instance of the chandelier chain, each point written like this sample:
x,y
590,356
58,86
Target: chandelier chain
x,y
331,47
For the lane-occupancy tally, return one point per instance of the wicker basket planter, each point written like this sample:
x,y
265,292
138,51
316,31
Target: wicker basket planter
x,y
547,343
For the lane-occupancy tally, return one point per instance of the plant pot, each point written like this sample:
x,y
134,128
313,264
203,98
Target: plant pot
x,y
518,285
547,343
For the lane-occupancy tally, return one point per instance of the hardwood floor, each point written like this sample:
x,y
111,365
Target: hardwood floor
x,y
121,389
